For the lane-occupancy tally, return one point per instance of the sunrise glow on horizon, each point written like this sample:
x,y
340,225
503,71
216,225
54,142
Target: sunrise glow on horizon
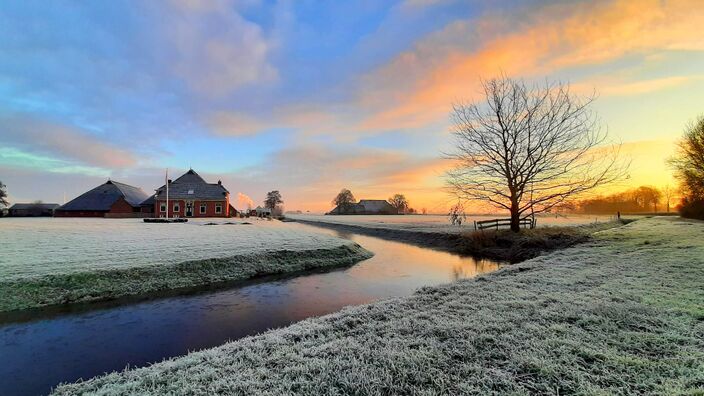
x,y
309,98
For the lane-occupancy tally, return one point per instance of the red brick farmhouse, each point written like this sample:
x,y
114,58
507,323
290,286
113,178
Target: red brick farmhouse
x,y
191,196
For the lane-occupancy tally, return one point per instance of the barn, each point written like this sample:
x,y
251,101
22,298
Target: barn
x,y
191,196
34,209
111,199
365,207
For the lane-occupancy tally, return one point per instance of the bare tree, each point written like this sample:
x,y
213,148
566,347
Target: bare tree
x,y
344,199
3,195
529,149
669,194
457,215
399,202
273,199
645,196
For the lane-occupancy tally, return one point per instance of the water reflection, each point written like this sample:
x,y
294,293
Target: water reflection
x,y
34,356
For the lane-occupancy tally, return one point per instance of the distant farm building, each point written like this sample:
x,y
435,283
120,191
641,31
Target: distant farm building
x,y
365,206
32,209
261,212
191,196
112,199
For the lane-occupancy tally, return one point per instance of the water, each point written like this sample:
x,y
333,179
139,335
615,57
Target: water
x,y
64,346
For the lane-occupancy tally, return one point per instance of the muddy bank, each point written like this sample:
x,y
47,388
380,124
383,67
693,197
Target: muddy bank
x,y
500,245
102,285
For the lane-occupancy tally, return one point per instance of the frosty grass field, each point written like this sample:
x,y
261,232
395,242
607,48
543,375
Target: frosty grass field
x,y
47,261
622,314
440,223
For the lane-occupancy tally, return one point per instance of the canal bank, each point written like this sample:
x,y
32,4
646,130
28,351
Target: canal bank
x,y
621,314
36,355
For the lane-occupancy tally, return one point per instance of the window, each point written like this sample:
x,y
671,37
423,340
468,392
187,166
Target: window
x,y
218,208
190,192
203,208
177,207
162,207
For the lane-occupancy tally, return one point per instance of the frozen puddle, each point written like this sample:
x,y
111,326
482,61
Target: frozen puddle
x,y
37,355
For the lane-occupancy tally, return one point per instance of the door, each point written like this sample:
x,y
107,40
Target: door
x,y
189,208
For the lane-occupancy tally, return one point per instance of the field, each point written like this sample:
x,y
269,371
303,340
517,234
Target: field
x,y
500,245
440,223
622,314
45,261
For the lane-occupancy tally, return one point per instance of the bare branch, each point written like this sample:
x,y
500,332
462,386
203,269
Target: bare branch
x,y
529,149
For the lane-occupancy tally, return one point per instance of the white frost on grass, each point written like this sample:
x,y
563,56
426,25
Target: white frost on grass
x,y
439,223
58,261
43,246
623,314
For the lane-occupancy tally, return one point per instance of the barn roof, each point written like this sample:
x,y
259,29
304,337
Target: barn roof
x,y
375,205
34,205
191,185
105,195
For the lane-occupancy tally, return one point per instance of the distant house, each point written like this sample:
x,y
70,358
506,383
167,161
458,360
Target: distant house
x,y
191,196
262,212
365,206
32,209
111,199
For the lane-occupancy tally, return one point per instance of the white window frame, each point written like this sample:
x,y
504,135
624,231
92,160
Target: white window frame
x,y
203,208
218,208
177,207
162,207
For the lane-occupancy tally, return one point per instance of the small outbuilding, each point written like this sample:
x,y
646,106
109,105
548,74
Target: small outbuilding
x,y
35,209
111,199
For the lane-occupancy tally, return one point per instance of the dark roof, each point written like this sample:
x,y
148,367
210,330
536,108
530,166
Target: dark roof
x,y
34,206
191,186
376,205
148,202
105,195
366,206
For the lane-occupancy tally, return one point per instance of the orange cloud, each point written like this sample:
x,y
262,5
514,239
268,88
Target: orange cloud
x,y
554,38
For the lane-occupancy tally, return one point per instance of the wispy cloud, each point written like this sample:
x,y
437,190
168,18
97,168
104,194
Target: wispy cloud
x,y
62,142
539,43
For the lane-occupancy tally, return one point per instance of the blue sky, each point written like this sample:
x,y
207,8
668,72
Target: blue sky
x,y
308,96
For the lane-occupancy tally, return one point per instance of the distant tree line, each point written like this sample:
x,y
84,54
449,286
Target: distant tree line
x,y
636,200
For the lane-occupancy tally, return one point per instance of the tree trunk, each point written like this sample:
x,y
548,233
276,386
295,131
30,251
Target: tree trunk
x,y
515,220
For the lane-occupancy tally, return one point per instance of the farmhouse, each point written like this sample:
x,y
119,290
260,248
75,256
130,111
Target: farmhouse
x,y
365,206
191,196
111,199
32,209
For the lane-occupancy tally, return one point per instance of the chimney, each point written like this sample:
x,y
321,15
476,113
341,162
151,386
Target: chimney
x,y
169,181
219,182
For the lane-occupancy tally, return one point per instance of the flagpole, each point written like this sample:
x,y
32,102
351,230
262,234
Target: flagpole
x,y
167,193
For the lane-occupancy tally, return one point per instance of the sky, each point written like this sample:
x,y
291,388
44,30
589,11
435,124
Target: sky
x,y
310,97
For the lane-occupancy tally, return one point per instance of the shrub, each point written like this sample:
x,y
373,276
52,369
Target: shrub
x,y
692,209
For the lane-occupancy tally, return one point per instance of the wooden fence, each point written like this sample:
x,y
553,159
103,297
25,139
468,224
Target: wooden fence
x,y
497,224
